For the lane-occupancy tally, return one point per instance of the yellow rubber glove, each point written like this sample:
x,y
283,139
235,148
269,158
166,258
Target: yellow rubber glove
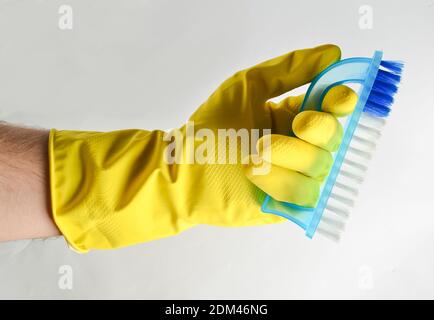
x,y
115,189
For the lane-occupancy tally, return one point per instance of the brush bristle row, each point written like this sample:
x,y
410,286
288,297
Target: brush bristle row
x,y
384,88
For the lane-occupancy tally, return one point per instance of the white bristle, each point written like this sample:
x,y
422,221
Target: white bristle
x,y
333,224
355,164
350,175
333,235
361,153
351,184
347,185
364,142
346,188
362,129
333,221
366,132
343,199
370,121
338,211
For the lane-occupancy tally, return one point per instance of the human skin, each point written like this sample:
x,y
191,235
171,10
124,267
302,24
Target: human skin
x,y
25,211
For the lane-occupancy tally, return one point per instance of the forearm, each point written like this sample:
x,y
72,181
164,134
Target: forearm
x,y
24,189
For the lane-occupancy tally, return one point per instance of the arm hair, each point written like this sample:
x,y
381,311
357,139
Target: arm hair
x,y
25,210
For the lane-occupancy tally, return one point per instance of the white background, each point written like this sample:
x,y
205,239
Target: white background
x,y
149,64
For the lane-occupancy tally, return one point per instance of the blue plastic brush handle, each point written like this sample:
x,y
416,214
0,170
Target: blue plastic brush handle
x,y
353,70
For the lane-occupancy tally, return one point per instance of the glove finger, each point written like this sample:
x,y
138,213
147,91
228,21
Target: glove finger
x,y
279,75
283,184
321,129
295,154
252,87
340,101
283,113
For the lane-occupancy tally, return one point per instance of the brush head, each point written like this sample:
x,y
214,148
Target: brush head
x,y
360,149
379,83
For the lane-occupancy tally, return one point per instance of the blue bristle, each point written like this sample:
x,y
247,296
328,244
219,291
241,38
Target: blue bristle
x,y
378,113
376,109
389,77
394,66
384,88
380,97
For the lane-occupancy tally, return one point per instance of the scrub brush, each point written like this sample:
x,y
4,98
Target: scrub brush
x,y
378,80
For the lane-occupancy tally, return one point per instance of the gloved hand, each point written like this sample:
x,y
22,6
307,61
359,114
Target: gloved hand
x,y
114,189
